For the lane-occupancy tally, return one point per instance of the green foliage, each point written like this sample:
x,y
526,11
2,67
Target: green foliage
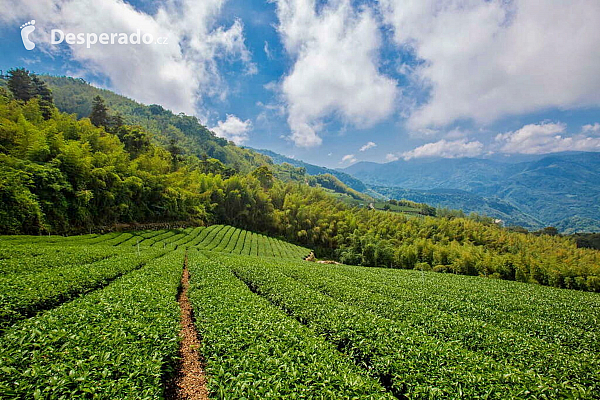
x,y
20,84
19,209
253,350
26,86
264,176
588,240
119,342
328,181
24,293
75,96
99,114
426,336
339,331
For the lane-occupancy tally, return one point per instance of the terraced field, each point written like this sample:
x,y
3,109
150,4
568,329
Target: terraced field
x,y
98,316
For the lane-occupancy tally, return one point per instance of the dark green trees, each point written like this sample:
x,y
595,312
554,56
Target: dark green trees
x,y
25,86
20,84
99,114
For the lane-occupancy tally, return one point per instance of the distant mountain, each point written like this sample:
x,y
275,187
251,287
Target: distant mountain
x,y
465,201
311,169
559,189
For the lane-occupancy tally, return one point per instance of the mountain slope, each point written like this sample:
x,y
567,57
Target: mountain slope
x,y
465,201
558,189
312,169
75,96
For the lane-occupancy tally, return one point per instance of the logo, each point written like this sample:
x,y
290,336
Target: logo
x,y
26,30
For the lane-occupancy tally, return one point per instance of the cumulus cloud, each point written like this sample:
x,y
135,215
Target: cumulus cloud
x,y
176,75
482,60
233,129
545,138
446,149
368,146
335,56
592,129
391,157
348,158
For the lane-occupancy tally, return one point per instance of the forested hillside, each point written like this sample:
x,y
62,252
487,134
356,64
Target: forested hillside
x,y
75,96
60,174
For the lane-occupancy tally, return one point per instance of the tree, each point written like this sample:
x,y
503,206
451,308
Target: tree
x,y
549,230
135,139
264,176
175,153
99,115
20,84
45,94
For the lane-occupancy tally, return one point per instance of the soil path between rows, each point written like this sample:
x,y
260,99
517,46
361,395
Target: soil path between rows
x,y
190,381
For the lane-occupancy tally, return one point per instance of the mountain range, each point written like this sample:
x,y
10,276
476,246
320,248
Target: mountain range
x,y
561,190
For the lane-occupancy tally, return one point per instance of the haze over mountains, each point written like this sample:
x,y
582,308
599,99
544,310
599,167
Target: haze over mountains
x,y
559,190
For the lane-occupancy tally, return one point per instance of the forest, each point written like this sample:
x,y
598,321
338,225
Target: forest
x,y
72,173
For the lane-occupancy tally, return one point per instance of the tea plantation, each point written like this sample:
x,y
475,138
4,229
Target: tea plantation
x,y
97,316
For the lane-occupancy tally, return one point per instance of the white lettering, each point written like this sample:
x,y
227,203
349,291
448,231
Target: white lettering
x,y
53,36
70,38
92,38
135,37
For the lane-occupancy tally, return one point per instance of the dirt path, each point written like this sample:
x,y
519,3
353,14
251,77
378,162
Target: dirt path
x,y
190,383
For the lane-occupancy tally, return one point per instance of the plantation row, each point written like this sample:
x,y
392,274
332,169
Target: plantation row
x,y
253,350
39,273
392,329
214,238
32,284
118,342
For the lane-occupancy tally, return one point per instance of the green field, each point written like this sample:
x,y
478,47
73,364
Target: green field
x,y
97,316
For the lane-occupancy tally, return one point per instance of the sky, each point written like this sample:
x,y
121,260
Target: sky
x,y
340,81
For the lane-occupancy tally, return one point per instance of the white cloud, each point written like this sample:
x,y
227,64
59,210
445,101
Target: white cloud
x,y
335,54
592,129
391,157
368,146
446,149
176,75
267,51
486,59
233,129
348,158
545,138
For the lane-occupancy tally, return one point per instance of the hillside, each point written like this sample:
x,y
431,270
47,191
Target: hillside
x,y
75,96
559,190
248,312
465,201
312,169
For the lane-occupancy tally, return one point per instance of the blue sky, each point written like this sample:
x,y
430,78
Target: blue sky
x,y
320,80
